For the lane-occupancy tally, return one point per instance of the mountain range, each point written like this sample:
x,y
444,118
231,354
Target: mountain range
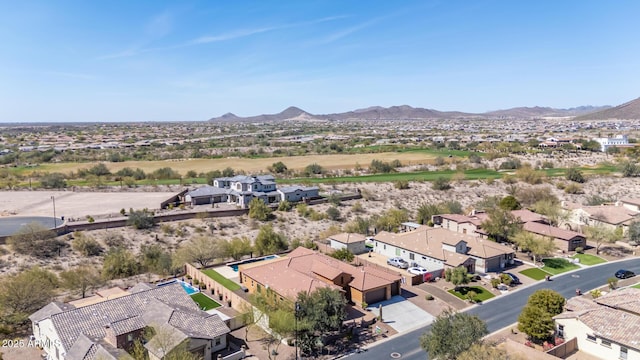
x,y
629,110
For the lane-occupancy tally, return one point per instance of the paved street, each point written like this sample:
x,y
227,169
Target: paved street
x,y
503,311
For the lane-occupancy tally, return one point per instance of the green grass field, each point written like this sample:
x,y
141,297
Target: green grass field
x,y
482,293
588,259
534,273
475,174
637,286
221,279
204,301
556,266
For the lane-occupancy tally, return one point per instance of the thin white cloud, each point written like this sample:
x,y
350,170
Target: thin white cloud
x,y
218,38
348,31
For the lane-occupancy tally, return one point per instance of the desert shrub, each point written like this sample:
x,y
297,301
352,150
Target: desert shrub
x,y
333,213
119,263
53,181
580,250
495,282
573,188
575,175
530,176
114,240
164,173
357,207
612,282
313,169
86,245
401,184
259,210
510,164
441,183
594,200
284,205
531,195
428,297
343,254
141,219
36,240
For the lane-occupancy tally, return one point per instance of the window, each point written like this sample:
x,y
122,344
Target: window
x,y
217,341
129,337
591,338
623,353
606,343
561,331
384,246
412,256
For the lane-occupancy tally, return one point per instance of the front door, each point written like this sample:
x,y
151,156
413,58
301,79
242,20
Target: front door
x,y
397,252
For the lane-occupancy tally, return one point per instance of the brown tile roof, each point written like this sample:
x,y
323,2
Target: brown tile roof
x,y
526,215
460,219
348,238
611,214
632,201
551,231
614,316
299,271
428,241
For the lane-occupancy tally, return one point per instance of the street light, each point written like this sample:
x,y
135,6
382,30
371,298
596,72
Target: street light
x,y
53,198
297,310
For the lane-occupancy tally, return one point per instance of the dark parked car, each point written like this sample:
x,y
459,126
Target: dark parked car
x,y
624,274
514,279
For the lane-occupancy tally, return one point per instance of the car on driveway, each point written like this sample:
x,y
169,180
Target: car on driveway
x,y
624,274
514,279
417,270
398,262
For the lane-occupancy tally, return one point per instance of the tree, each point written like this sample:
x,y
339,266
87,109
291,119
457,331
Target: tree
x,y
536,319
228,172
457,276
284,205
36,240
452,334
548,300
426,212
279,167
237,247
358,225
25,293
552,210
536,245
630,169
119,263
313,169
200,250
601,234
53,181
99,170
321,313
343,254
509,203
634,231
333,213
268,241
501,224
259,210
141,219
391,219
156,260
575,175
82,279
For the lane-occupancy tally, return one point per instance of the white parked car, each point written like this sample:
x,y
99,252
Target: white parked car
x,y
417,270
398,262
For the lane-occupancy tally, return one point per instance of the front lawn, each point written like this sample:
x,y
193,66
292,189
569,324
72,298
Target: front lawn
x,y
204,301
482,294
637,286
221,279
587,259
557,266
534,273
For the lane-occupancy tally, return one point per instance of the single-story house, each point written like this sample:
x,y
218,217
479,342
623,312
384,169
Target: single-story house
x,y
565,240
614,216
472,224
353,242
109,328
607,327
305,270
439,248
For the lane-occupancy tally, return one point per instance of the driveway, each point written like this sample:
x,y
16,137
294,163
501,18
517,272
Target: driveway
x,y
401,314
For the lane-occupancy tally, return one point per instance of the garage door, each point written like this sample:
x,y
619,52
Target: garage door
x,y
375,296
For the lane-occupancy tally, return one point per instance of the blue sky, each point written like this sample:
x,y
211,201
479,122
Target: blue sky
x,y
193,60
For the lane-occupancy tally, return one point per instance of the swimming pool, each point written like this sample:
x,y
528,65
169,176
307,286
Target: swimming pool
x,y
189,289
234,266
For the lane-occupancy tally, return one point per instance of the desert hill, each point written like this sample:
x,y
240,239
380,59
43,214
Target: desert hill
x,y
627,111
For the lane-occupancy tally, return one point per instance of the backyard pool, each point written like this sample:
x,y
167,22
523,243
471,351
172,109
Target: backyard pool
x,y
189,289
234,266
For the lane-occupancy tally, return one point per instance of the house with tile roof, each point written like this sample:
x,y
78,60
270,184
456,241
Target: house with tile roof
x,y
108,329
351,241
241,189
439,248
305,270
607,327
612,216
532,222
